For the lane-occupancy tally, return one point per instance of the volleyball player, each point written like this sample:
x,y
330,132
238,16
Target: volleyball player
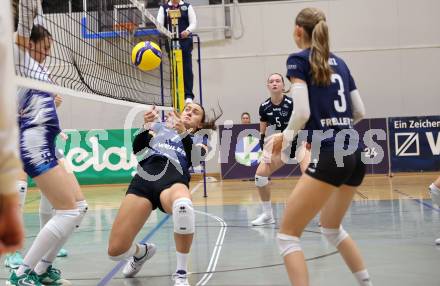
x,y
434,191
274,113
167,152
39,126
326,99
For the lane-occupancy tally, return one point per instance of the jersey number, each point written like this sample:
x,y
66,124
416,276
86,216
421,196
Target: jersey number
x,y
340,106
277,120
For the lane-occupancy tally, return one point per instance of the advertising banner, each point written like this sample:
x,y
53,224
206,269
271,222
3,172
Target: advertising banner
x,y
414,143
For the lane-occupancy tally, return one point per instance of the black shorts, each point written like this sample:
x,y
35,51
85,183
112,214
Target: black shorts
x,y
151,189
326,169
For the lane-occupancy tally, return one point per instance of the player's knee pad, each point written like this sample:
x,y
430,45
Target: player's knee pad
x,y
83,207
288,244
334,235
435,194
63,222
261,181
183,216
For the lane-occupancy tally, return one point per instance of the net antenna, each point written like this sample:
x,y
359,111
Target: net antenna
x,y
91,50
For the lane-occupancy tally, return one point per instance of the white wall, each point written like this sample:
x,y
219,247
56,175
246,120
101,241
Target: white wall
x,y
391,46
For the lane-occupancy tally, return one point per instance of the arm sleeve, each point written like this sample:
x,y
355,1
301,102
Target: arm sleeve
x,y
192,19
296,68
301,111
142,140
357,106
161,16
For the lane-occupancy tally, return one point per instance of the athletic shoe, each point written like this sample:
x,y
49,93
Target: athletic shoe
x,y
437,241
14,260
62,253
29,278
134,264
52,277
263,219
180,278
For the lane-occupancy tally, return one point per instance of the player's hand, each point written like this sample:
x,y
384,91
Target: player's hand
x,y
11,224
58,100
185,34
151,115
178,124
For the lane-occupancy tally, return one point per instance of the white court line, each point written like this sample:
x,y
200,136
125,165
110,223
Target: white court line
x,y
218,245
217,249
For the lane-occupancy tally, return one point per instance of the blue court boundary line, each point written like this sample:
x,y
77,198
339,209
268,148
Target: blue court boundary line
x,y
419,201
109,276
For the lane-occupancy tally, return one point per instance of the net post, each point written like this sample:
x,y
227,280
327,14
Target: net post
x,y
7,70
199,64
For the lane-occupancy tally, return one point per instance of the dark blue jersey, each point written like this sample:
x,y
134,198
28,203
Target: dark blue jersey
x,y
276,116
166,142
330,106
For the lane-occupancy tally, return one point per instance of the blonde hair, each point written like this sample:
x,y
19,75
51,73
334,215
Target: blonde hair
x,y
313,21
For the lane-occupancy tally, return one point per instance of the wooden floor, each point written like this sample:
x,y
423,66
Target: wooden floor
x,y
237,192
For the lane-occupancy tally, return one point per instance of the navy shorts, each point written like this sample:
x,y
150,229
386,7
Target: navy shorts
x,y
37,149
151,189
326,169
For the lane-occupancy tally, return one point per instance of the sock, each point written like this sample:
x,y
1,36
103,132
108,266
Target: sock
x,y
267,207
22,190
48,259
129,253
60,226
182,261
42,243
46,210
141,251
363,278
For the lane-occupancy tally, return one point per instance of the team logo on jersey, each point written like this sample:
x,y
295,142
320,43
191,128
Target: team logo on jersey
x,y
285,106
407,144
284,113
183,8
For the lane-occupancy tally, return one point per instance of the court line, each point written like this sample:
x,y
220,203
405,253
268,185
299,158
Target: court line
x,y
120,264
418,201
210,270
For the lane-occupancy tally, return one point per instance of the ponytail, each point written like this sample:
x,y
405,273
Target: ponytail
x,y
320,54
313,21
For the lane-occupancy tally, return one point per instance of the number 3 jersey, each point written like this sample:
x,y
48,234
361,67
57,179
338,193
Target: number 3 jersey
x,y
330,106
276,116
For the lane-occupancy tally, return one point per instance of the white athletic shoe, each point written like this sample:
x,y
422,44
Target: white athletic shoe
x,y
263,219
437,241
180,279
134,264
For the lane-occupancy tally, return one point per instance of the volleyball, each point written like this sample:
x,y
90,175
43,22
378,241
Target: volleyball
x,y
146,55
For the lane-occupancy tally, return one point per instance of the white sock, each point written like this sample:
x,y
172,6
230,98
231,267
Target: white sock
x,y
129,253
267,207
60,226
46,210
141,250
48,259
42,244
182,261
434,187
363,278
22,190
